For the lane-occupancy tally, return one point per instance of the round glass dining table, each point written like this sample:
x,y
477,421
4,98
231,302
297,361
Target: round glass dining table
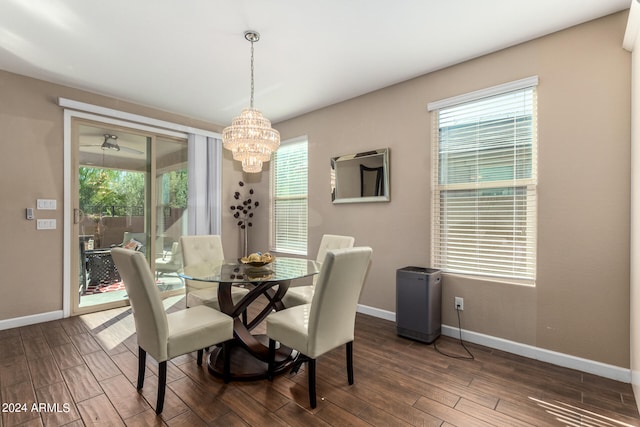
x,y
249,354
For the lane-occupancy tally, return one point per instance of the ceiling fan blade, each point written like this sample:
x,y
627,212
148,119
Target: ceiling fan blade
x,y
130,150
121,148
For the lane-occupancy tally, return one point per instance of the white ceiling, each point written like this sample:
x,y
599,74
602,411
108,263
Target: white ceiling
x,y
190,57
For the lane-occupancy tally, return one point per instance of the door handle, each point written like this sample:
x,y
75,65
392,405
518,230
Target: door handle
x,y
78,215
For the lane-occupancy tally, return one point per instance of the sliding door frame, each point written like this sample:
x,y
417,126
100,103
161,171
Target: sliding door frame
x,y
78,110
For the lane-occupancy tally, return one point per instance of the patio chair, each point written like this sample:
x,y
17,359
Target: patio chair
x,y
170,262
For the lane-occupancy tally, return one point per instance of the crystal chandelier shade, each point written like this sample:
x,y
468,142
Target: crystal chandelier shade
x,y
250,138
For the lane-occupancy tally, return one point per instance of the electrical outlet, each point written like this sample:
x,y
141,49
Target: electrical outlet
x,y
459,303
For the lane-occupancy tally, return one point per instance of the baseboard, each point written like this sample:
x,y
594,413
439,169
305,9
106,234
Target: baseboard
x,y
16,322
376,312
635,385
560,359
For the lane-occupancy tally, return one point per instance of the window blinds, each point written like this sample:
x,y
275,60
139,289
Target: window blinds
x,y
484,187
289,208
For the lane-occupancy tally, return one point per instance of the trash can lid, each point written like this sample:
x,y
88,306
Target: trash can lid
x,y
420,269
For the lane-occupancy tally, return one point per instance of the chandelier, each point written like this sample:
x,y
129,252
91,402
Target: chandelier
x,y
250,138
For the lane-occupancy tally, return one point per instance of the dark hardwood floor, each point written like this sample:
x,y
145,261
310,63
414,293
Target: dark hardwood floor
x,y
82,371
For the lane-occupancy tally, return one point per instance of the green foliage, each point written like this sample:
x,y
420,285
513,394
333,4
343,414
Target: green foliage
x,y
101,189
176,184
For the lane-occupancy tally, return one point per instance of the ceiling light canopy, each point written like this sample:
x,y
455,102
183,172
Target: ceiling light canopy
x,y
110,142
250,138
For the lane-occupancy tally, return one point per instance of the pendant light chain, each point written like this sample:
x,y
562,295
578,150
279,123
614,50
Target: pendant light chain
x,y
251,102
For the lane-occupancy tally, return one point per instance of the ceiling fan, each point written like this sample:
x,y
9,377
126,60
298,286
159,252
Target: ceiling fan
x,y
111,143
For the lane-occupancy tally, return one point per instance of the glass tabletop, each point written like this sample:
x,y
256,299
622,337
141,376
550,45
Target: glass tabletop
x,y
233,271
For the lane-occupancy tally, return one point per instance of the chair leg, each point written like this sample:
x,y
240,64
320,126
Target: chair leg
x,y
142,358
271,360
350,362
311,367
226,355
199,359
162,385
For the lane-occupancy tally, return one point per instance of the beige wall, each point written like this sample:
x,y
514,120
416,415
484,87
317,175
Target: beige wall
x,y
31,167
580,304
634,322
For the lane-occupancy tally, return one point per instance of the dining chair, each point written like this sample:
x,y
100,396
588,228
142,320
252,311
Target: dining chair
x,y
165,336
201,248
329,321
300,295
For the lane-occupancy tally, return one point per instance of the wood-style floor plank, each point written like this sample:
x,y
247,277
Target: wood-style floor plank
x,y
84,371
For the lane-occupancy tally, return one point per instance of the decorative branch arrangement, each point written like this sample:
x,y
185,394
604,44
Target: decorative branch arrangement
x,y
243,212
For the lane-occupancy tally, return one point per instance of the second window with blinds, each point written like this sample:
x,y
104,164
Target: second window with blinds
x,y
289,170
484,182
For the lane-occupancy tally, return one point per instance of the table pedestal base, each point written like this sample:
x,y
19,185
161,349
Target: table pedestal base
x,y
245,366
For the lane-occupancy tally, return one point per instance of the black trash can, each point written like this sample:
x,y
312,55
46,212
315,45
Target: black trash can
x,y
418,303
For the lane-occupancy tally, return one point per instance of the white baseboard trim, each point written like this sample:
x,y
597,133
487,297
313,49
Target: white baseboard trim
x,y
16,322
635,385
560,359
376,312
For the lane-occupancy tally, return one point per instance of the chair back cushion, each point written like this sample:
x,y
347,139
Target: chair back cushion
x,y
332,241
197,249
146,303
334,304
329,242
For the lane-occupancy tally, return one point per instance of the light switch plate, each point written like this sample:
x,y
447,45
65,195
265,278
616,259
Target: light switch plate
x,y
46,204
46,224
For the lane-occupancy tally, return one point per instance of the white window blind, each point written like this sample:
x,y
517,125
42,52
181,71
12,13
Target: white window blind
x,y
484,186
289,198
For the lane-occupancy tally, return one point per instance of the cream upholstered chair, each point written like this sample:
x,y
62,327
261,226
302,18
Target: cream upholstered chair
x,y
328,322
303,294
165,336
201,248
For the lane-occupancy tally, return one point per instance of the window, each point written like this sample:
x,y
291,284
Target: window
x,y
289,198
484,182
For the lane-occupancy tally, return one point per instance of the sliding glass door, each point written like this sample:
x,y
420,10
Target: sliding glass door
x,y
131,192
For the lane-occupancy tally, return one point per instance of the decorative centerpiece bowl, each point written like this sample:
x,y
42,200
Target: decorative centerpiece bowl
x,y
258,259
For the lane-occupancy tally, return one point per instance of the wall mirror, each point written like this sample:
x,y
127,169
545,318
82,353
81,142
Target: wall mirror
x,y
360,177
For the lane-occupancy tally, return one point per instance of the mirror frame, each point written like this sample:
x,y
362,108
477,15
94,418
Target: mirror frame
x,y
352,160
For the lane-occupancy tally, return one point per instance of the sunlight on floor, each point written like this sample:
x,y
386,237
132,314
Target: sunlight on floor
x,y
573,416
165,283
117,325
